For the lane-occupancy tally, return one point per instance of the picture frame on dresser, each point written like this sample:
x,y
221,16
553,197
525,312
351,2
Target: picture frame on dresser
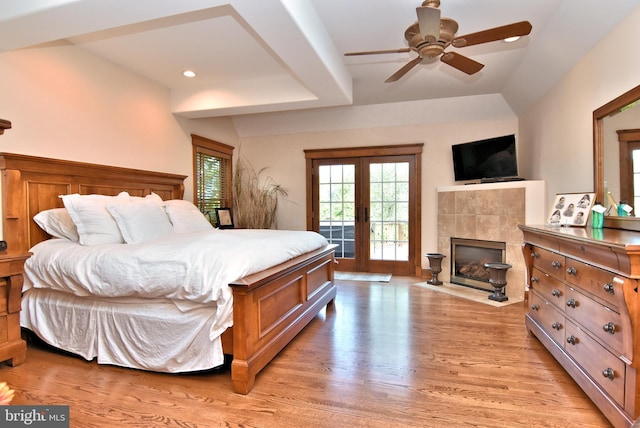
x,y
571,209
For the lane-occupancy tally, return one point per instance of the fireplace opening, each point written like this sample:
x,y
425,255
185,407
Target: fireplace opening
x,y
468,257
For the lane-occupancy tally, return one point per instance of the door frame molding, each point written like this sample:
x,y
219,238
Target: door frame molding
x,y
373,151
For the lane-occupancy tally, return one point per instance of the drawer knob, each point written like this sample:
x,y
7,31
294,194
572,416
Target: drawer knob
x,y
535,255
571,303
535,307
572,340
608,287
555,264
556,326
571,271
609,328
535,279
608,373
556,293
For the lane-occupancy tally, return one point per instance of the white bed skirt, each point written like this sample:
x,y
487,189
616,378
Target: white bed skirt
x,y
145,334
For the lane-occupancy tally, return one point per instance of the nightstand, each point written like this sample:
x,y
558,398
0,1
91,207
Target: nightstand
x,y
12,347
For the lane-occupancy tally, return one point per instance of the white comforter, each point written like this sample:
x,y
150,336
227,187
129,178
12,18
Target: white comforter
x,y
185,268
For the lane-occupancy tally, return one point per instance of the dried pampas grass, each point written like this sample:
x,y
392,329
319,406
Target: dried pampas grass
x,y
255,199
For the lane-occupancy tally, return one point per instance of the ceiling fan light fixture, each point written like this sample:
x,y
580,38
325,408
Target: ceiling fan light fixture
x,y
189,73
512,39
430,51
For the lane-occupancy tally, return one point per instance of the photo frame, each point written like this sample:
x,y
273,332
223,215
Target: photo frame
x,y
224,218
571,209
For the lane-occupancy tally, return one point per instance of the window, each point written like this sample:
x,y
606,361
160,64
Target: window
x,y
212,175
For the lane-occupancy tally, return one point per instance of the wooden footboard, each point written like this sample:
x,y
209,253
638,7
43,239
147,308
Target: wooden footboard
x,y
271,307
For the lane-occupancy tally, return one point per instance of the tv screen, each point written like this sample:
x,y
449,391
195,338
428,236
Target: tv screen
x,y
485,159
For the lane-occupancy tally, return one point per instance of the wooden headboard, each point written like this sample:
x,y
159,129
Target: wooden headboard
x,y
32,184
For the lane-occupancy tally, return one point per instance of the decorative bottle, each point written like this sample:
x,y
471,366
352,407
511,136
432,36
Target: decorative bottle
x,y
597,221
622,209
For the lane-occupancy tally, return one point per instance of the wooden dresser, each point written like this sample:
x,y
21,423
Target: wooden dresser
x,y
12,347
583,306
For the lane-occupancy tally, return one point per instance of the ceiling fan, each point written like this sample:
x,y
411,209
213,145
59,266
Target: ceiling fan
x,y
431,35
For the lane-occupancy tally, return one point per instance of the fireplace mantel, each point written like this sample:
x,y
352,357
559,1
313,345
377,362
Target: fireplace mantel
x,y
492,212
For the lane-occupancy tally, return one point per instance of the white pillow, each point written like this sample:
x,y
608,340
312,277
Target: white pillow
x,y
141,220
150,197
94,223
186,217
58,223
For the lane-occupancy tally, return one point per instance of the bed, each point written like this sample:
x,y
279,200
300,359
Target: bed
x,y
268,309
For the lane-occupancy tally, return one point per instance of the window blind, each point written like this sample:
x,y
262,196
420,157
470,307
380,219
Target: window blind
x,y
212,173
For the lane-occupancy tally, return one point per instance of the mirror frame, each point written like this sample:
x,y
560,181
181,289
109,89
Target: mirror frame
x,y
630,223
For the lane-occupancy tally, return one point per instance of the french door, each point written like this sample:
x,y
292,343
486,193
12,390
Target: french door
x,y
368,205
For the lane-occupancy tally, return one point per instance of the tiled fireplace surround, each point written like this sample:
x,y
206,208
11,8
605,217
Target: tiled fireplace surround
x,y
491,212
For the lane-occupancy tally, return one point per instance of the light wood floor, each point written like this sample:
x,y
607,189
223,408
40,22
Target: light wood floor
x,y
385,355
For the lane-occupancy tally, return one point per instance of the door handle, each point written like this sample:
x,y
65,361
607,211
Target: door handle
x,y
366,214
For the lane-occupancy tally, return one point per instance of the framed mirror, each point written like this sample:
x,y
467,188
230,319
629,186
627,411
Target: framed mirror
x,y
615,125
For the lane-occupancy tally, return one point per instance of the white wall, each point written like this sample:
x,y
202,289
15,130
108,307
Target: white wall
x,y
283,156
555,137
556,134
66,103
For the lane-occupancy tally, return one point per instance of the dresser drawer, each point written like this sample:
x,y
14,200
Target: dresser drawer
x,y
549,262
547,315
549,287
602,256
600,320
596,361
542,240
596,281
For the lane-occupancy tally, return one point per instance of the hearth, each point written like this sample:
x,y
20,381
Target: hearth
x,y
468,257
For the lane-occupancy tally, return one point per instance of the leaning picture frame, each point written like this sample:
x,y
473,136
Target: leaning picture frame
x,y
224,218
571,209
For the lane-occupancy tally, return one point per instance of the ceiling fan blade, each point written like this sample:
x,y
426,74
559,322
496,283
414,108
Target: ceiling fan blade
x,y
493,34
461,62
400,50
404,70
429,23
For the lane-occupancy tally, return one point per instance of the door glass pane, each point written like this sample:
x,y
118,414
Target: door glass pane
x,y
337,207
389,211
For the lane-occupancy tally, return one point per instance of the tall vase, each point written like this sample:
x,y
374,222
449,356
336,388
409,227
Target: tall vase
x,y
435,266
498,278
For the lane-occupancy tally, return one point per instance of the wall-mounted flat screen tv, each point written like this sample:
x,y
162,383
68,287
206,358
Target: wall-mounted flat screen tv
x,y
492,158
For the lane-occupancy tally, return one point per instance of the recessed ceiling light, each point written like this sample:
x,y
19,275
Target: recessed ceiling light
x,y
189,73
511,39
